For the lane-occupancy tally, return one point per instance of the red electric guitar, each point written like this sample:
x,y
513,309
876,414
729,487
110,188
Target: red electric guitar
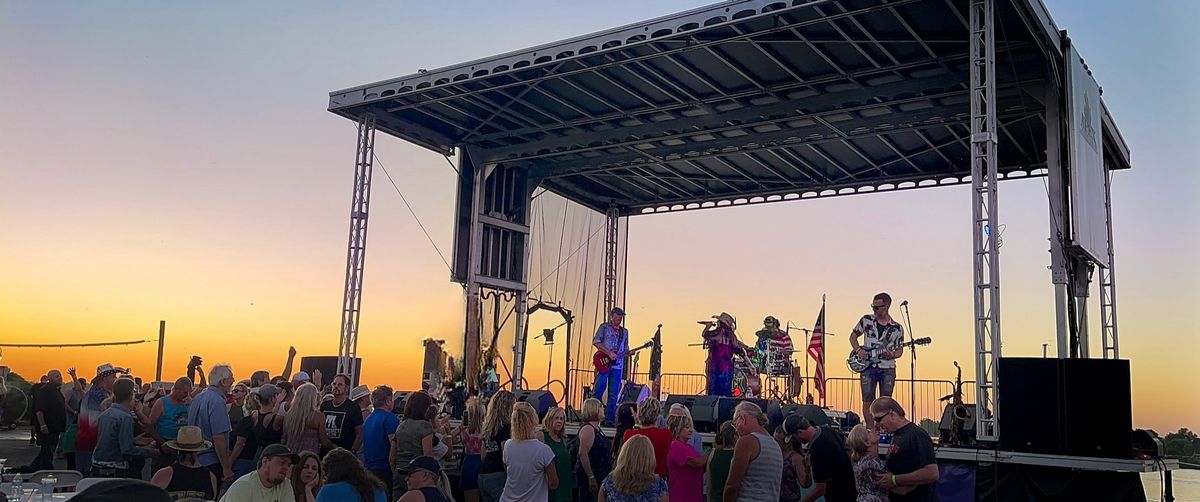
x,y
603,363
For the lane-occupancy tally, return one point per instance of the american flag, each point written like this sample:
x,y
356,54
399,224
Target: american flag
x,y
816,349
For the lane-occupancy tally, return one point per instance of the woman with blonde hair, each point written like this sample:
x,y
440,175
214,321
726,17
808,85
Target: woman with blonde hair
x,y
862,446
647,420
304,425
554,434
633,479
496,430
529,462
595,451
470,434
685,467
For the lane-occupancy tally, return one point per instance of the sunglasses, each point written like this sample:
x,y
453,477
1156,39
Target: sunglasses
x,y
878,306
881,417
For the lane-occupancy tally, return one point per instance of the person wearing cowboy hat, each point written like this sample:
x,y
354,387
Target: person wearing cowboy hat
x,y
722,344
361,396
90,409
186,477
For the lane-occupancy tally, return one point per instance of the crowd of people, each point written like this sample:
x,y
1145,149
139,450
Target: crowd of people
x,y
294,438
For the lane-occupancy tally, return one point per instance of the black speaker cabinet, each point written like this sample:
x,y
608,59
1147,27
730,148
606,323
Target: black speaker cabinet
x,y
1097,408
703,408
725,406
1030,401
946,425
328,367
541,400
776,413
634,393
1080,407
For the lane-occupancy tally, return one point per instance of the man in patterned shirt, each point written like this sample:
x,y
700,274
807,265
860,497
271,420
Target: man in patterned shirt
x,y
613,340
880,331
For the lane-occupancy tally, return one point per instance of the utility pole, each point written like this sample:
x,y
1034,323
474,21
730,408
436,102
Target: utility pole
x,y
162,336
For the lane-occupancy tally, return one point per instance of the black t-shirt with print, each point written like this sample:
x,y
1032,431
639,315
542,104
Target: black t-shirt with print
x,y
831,465
911,450
341,421
493,454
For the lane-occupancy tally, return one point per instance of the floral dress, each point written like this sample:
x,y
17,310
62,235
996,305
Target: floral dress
x,y
651,494
866,470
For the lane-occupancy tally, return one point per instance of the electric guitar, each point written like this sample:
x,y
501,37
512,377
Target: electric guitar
x,y
603,363
875,355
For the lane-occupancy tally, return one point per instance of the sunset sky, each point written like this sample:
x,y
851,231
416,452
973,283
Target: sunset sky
x,y
175,161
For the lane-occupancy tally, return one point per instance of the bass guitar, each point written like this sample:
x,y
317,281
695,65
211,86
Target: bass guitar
x,y
603,363
875,355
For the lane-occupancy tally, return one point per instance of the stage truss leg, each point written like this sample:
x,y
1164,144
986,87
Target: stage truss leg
x,y
612,236
356,249
1108,286
985,231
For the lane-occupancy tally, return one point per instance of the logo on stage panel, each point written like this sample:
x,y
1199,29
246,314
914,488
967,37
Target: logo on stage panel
x,y
1088,131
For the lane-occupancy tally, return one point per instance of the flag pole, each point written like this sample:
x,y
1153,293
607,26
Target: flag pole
x,y
823,353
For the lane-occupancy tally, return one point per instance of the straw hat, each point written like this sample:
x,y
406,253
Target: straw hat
x,y
189,438
726,319
359,392
107,369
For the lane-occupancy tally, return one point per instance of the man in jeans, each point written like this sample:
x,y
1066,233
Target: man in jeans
x,y
207,411
115,446
50,410
611,339
881,332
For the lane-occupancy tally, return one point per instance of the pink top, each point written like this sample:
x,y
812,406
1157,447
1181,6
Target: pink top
x,y
684,484
472,443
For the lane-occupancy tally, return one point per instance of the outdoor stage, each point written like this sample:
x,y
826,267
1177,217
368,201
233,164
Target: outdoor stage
x,y
754,101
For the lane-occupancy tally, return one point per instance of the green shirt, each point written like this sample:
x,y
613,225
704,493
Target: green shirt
x,y
718,473
562,466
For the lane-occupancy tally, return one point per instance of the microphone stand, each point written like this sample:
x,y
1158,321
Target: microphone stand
x,y
912,362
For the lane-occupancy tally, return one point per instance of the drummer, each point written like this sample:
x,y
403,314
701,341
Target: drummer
x,y
774,348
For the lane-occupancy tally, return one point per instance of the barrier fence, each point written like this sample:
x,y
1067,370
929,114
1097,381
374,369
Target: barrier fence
x,y
920,397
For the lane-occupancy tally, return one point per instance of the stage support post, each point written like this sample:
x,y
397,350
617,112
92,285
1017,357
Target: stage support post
x,y
612,236
521,339
985,226
1059,219
1108,284
356,248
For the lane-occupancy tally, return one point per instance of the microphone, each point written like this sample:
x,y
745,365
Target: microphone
x,y
904,303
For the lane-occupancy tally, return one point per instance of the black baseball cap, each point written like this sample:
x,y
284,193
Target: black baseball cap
x,y
279,450
617,310
422,463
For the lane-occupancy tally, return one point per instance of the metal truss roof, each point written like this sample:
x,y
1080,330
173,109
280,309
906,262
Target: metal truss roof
x,y
740,102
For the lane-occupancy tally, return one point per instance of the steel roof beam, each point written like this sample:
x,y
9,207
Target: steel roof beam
x,y
743,118
586,69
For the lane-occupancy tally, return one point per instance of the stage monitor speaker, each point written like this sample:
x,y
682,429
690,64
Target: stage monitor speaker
x,y
634,393
776,413
1097,408
328,367
703,408
1030,397
725,406
541,400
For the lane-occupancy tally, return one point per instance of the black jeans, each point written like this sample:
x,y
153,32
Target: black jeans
x,y
45,456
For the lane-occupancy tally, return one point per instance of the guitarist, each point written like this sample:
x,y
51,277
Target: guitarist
x,y
880,330
612,339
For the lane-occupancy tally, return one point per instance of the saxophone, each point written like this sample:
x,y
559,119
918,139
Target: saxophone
x,y
958,413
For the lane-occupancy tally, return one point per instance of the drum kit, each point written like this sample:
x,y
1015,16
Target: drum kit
x,y
784,381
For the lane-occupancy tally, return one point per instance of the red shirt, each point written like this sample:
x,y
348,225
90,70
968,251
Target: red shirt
x,y
661,440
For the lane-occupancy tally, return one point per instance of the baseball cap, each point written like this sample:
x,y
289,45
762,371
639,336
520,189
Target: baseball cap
x,y
279,450
301,376
267,392
422,463
617,310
